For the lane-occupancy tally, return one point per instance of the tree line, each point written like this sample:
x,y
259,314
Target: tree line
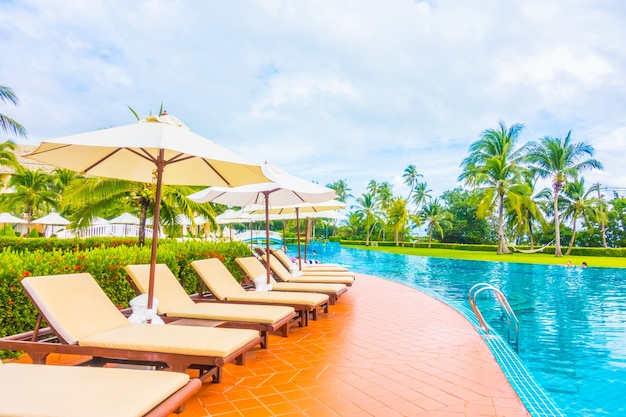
x,y
499,203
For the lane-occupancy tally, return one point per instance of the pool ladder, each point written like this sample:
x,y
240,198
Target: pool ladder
x,y
512,336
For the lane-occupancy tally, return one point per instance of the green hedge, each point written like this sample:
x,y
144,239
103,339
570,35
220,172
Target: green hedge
x,y
106,265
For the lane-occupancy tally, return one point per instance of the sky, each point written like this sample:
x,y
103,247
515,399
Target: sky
x,y
353,90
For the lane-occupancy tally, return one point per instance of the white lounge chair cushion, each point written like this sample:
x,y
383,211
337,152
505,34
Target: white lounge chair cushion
x,y
65,391
233,312
187,340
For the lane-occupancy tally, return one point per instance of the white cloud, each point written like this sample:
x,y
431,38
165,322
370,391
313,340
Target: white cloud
x,y
332,90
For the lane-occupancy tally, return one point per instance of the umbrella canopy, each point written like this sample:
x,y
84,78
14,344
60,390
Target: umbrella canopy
x,y
295,210
159,149
283,189
52,219
232,216
125,218
6,218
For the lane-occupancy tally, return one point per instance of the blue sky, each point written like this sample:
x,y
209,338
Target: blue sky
x,y
327,90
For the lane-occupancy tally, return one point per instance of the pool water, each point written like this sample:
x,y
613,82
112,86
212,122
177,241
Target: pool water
x,y
572,320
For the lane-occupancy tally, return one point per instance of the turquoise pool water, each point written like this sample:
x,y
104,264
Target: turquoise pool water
x,y
572,320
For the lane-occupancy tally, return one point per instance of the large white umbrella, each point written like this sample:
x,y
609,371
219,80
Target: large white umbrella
x,y
321,209
52,219
284,189
7,218
125,219
158,149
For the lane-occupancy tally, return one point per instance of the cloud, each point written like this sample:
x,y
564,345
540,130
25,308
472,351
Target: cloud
x,y
330,90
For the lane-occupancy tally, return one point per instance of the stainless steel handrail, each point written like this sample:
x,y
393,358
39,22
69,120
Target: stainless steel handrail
x,y
512,321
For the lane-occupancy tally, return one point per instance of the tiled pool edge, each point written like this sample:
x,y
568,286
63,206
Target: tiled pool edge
x,y
535,399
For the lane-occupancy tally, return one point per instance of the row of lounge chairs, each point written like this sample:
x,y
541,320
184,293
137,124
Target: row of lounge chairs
x,y
203,333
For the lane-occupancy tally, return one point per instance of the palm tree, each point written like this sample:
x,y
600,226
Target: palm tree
x,y
367,208
494,166
561,160
341,189
410,177
579,202
6,123
436,218
421,196
398,217
7,154
93,196
523,208
32,193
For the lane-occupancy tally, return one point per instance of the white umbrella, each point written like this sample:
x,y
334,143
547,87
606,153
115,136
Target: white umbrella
x,y
159,149
125,219
6,218
294,211
284,189
52,219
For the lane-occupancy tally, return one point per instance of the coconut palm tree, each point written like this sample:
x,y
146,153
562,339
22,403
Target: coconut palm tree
x,y
93,196
32,193
580,203
523,209
421,196
6,123
410,177
398,217
494,167
7,154
436,218
562,161
341,189
368,209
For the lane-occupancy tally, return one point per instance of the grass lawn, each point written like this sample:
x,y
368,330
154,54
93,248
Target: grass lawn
x,y
534,258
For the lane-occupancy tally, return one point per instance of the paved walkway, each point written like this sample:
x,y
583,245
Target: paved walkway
x,y
383,350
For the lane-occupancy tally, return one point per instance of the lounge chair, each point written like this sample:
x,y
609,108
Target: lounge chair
x,y
253,267
225,288
308,268
174,303
85,322
321,277
73,391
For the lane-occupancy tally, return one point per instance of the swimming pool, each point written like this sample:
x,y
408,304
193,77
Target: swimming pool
x,y
572,320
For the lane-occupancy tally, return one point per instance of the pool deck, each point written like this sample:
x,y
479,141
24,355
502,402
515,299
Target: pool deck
x,y
383,350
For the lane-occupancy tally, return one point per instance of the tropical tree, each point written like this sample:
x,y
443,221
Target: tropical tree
x,y
436,218
523,210
421,196
7,154
368,210
494,166
94,196
341,189
581,203
562,161
32,193
411,177
398,218
6,123
467,227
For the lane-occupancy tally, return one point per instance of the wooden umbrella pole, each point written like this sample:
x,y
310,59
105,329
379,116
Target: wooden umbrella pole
x,y
266,194
160,164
